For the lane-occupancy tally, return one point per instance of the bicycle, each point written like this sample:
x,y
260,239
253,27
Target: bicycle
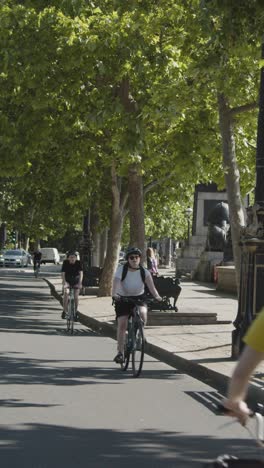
x,y
135,338
36,269
71,312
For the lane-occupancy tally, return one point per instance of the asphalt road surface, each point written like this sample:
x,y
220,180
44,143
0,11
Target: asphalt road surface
x,y
64,403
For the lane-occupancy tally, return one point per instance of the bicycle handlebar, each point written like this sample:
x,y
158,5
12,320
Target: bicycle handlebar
x,y
225,411
259,431
135,300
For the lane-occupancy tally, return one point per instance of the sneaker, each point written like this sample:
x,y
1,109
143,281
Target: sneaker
x,y
119,358
63,315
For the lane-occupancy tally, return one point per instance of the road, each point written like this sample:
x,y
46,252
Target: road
x,y
64,403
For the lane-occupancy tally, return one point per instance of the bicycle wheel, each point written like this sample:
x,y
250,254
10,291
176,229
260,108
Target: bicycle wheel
x,y
72,315
138,348
127,352
68,322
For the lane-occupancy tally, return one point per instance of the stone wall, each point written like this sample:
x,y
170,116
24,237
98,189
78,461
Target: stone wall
x,y
226,279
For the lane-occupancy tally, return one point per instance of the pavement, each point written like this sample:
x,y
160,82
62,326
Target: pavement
x,y
202,351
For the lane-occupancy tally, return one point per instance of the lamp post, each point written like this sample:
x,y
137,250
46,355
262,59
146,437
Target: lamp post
x,y
251,292
86,248
188,213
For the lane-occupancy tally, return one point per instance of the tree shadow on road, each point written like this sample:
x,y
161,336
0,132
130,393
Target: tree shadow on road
x,y
17,370
50,446
23,310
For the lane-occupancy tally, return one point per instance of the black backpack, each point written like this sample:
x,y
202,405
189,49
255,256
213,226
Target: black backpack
x,y
125,270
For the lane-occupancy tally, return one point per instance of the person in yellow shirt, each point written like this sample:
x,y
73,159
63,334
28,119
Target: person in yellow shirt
x,y
252,355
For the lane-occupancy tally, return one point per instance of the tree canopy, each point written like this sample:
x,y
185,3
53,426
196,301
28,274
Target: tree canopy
x,y
85,84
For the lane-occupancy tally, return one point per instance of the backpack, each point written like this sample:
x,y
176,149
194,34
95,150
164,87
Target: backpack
x,y
125,270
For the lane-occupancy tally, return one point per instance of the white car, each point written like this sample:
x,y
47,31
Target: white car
x,y
122,257
16,257
50,255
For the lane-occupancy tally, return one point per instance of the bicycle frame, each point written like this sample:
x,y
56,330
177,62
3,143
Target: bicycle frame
x,y
36,269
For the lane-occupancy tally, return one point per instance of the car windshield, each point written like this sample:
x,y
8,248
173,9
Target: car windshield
x,y
13,252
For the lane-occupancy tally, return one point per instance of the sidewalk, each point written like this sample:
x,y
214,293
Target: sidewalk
x,y
202,351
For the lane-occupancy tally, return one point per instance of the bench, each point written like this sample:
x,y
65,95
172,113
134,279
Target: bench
x,y
168,288
91,276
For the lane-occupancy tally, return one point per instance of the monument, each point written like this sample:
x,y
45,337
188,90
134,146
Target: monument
x,y
206,197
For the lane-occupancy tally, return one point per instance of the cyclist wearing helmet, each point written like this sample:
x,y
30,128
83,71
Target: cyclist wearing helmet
x,y
72,275
36,258
130,280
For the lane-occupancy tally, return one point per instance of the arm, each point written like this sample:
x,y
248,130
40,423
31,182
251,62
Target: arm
x,y
152,289
63,274
116,285
80,279
238,385
63,277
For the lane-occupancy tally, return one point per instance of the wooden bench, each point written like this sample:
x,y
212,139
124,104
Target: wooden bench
x,y
169,289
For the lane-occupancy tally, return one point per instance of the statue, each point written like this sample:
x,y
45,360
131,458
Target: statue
x,y
254,228
218,227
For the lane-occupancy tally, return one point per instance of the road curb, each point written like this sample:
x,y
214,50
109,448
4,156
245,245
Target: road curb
x,y
208,376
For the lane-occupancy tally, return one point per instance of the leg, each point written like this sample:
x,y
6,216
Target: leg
x,y
65,300
143,310
76,298
121,332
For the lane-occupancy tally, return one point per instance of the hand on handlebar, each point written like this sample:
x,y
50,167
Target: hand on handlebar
x,y
116,297
158,298
237,409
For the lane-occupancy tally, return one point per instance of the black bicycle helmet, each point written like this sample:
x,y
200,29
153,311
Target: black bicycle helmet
x,y
133,251
72,252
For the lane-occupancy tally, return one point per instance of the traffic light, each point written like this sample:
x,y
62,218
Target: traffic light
x,y
13,238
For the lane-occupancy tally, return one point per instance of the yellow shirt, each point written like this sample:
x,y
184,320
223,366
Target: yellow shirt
x,y
255,334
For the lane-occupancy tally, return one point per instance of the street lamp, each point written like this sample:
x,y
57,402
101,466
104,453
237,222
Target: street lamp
x,y
188,213
86,247
251,291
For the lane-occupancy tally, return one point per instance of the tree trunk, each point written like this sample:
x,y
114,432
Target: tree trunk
x,y
103,246
95,235
119,200
3,235
232,177
136,210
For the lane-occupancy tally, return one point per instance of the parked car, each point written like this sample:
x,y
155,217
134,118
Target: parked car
x,y
2,261
16,257
122,257
50,255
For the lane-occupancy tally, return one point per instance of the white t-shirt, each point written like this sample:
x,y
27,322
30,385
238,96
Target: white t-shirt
x,y
132,284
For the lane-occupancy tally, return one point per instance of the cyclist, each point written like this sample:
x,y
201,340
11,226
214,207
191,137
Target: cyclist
x,y
72,275
37,258
130,280
252,355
